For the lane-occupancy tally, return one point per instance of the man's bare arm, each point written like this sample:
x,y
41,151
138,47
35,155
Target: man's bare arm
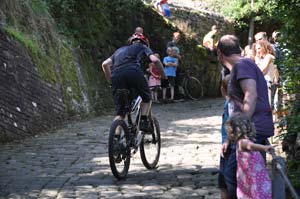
x,y
106,65
250,96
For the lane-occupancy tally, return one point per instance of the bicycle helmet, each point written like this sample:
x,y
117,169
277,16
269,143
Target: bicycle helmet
x,y
139,36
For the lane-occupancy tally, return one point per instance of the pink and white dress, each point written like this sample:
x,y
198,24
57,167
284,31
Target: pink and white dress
x,y
253,181
154,80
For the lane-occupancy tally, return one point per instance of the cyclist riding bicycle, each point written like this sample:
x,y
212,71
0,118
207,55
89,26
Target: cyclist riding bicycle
x,y
123,70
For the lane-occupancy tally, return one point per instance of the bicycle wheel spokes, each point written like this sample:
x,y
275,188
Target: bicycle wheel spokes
x,y
193,88
118,149
150,146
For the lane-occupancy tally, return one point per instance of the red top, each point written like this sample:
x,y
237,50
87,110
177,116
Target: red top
x,y
153,70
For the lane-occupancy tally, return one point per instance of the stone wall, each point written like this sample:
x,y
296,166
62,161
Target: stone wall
x,y
27,104
195,24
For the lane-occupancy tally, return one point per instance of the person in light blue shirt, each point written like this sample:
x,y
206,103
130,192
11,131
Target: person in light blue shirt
x,y
171,64
225,116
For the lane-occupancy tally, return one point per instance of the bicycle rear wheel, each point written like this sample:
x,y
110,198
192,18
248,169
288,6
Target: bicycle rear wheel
x,y
193,88
118,149
150,146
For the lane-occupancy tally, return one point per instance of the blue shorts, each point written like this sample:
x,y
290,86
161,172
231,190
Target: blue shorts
x,y
171,80
132,79
167,13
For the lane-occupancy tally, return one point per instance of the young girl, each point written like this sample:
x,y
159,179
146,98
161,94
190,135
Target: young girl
x,y
253,180
154,80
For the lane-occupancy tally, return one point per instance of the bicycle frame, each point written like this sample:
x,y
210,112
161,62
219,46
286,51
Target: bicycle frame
x,y
134,109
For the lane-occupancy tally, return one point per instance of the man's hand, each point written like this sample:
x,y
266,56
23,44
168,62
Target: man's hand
x,y
269,149
224,148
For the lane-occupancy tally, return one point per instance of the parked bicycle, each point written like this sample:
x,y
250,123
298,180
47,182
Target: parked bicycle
x,y
125,138
191,86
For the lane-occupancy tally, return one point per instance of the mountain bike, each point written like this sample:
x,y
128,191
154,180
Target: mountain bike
x,y
191,85
125,138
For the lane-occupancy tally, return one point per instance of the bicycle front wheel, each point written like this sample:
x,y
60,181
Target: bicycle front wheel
x,y
193,88
119,149
150,146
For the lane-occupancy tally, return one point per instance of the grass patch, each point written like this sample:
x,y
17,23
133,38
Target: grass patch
x,y
23,39
43,62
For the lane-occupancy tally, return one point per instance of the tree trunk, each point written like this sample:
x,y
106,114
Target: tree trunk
x,y
251,25
251,31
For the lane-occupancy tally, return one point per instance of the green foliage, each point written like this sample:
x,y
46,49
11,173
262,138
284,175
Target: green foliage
x,y
39,8
23,39
288,13
293,168
32,25
241,10
91,23
68,73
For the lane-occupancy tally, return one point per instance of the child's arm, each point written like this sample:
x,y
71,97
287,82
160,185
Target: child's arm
x,y
175,63
151,70
153,74
171,64
247,145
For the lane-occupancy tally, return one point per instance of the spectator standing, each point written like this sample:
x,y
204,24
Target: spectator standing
x,y
223,160
278,52
173,43
248,94
210,40
264,37
171,63
253,180
279,57
261,36
265,61
225,113
163,7
248,52
139,30
154,80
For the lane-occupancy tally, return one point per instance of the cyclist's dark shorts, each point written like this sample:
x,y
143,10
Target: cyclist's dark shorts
x,y
132,79
171,80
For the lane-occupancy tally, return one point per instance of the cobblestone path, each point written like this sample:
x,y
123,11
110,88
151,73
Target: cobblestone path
x,y
73,163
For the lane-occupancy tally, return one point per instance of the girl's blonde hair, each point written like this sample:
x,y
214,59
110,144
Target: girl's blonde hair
x,y
241,127
267,46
